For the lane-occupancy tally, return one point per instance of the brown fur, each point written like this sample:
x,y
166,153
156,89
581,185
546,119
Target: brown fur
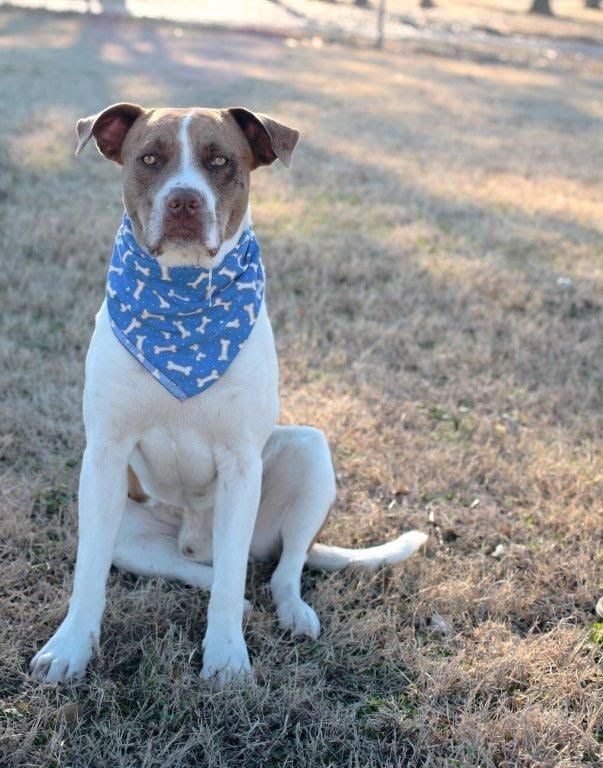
x,y
135,489
126,132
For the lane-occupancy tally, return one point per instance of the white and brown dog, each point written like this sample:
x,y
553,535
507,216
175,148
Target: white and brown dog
x,y
236,485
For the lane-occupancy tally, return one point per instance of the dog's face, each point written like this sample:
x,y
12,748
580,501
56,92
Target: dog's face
x,y
186,171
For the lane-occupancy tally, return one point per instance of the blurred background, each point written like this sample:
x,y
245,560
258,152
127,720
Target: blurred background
x,y
363,20
435,286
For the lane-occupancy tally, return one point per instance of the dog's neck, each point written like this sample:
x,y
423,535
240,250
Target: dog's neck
x,y
198,257
184,324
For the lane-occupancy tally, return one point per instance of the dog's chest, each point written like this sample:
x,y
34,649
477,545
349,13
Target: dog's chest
x,y
176,466
176,444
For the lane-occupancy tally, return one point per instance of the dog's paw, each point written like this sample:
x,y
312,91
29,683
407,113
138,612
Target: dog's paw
x,y
226,662
299,617
64,657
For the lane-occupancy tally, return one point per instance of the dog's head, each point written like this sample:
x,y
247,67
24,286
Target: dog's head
x,y
186,171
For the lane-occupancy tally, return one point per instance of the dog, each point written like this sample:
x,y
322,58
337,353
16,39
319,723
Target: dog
x,y
192,487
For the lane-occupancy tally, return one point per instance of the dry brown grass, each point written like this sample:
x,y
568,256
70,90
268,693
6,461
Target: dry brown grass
x,y
414,253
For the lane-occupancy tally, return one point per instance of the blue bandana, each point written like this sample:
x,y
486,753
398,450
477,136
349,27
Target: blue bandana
x,y
184,324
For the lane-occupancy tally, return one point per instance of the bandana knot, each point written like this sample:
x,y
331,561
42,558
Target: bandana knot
x,y
185,325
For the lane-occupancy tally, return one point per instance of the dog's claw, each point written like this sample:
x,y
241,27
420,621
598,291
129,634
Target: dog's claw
x,y
64,657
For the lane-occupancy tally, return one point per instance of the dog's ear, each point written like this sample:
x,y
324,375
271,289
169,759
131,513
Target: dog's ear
x,y
109,128
267,138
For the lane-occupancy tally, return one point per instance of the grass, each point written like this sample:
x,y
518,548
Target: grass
x,y
414,252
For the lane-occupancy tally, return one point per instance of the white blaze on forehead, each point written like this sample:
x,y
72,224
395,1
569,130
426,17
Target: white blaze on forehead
x,y
190,176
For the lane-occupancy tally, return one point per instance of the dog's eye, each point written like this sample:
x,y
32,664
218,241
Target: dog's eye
x,y
149,159
218,161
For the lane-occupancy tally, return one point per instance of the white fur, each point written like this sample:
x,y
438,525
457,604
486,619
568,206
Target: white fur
x,y
235,486
334,558
208,458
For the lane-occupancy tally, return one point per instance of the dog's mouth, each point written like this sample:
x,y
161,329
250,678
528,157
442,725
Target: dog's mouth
x,y
187,233
189,241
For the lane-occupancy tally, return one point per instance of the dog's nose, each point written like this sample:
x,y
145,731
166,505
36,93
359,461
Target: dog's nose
x,y
183,201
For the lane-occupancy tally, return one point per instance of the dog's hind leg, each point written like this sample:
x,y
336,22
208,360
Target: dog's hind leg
x,y
298,488
148,545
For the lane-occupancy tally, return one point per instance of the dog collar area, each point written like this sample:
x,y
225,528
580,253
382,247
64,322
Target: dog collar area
x,y
184,324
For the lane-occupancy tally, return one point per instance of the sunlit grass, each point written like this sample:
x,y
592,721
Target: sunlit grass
x,y
414,254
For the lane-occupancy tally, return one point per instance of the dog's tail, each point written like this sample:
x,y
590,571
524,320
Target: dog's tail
x,y
334,558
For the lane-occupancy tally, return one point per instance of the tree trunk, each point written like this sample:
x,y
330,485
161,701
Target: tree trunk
x,y
380,25
542,7
427,4
362,3
596,4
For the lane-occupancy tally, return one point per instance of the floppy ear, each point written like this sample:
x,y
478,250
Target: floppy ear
x,y
109,129
267,138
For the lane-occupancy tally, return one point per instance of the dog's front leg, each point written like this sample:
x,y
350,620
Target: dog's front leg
x,y
102,498
236,504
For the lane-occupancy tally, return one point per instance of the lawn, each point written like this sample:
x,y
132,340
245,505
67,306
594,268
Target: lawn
x,y
435,283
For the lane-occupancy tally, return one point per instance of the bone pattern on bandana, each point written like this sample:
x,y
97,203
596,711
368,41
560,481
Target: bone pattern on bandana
x,y
184,328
